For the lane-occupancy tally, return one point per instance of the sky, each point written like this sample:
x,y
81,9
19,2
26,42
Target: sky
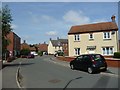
x,y
37,22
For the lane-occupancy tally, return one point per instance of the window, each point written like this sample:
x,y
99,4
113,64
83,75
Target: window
x,y
77,51
91,36
77,37
79,58
107,50
107,35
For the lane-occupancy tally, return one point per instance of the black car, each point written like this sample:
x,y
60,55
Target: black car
x,y
89,62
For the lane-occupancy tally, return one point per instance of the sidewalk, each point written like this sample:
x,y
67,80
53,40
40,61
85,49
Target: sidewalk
x,y
9,74
112,70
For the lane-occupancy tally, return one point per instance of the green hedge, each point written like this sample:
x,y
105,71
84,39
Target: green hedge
x,y
117,55
40,53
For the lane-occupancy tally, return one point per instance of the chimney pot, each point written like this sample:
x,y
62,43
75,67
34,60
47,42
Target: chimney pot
x,y
113,18
57,38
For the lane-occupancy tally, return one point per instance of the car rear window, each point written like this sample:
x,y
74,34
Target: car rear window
x,y
97,57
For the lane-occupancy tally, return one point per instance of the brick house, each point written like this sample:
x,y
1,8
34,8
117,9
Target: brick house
x,y
24,45
58,45
101,38
32,48
43,47
14,46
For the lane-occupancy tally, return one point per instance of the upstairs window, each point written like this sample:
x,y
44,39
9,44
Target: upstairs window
x,y
106,35
91,36
77,37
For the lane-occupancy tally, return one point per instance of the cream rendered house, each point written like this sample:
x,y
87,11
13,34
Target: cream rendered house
x,y
100,38
56,45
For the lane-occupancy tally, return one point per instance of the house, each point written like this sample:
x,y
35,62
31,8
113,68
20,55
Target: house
x,y
43,48
24,45
101,38
14,44
58,45
32,48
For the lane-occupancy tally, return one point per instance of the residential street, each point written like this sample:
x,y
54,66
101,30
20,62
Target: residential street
x,y
46,72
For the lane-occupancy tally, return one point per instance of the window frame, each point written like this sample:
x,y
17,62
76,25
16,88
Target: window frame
x,y
107,50
90,36
76,51
76,37
107,35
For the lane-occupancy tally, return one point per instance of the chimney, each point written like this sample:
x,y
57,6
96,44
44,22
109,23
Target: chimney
x,y
57,38
24,41
113,18
44,42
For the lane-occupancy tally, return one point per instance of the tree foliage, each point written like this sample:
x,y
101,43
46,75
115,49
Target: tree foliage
x,y
6,26
25,52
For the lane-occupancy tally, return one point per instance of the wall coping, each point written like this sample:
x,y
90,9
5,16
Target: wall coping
x,y
113,59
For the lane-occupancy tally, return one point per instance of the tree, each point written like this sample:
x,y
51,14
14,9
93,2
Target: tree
x,y
25,52
6,27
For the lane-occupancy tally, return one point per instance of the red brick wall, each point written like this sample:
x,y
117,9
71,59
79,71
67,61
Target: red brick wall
x,y
10,38
14,42
110,63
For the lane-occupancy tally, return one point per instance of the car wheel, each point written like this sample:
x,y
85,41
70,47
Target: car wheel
x,y
90,70
72,67
104,70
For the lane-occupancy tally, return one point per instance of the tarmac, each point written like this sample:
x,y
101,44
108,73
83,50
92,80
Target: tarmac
x,y
8,73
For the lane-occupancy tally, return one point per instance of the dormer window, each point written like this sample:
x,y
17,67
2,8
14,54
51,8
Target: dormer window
x,y
106,35
91,37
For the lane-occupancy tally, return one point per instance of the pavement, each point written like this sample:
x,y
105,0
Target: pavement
x,y
9,74
113,71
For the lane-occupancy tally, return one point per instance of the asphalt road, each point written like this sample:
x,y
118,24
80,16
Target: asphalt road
x,y
46,72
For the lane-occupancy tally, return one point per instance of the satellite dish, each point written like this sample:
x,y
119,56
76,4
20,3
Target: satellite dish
x,y
113,32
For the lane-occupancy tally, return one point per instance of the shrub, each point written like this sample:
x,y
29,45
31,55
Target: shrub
x,y
40,53
117,55
60,53
25,52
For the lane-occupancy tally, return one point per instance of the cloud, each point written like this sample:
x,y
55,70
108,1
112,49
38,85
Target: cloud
x,y
51,33
76,17
14,26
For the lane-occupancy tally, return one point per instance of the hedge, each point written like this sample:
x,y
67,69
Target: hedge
x,y
117,55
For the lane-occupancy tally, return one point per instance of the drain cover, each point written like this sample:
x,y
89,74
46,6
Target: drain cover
x,y
54,81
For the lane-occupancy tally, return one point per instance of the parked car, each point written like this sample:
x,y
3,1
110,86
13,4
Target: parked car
x,y
23,56
30,56
89,62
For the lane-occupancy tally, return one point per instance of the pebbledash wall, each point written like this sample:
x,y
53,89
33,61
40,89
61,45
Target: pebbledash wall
x,y
98,43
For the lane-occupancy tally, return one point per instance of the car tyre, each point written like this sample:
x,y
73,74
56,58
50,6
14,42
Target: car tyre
x,y
72,67
90,70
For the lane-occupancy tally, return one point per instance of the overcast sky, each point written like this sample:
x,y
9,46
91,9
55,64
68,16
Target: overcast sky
x,y
36,22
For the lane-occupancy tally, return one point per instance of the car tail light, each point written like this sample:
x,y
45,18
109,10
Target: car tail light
x,y
94,62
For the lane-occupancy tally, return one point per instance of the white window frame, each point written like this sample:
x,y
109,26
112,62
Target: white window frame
x,y
76,51
77,37
106,35
92,36
109,52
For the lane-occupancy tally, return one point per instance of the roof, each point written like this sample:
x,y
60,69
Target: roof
x,y
59,42
43,47
96,27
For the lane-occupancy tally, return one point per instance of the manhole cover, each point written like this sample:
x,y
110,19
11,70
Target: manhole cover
x,y
54,81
